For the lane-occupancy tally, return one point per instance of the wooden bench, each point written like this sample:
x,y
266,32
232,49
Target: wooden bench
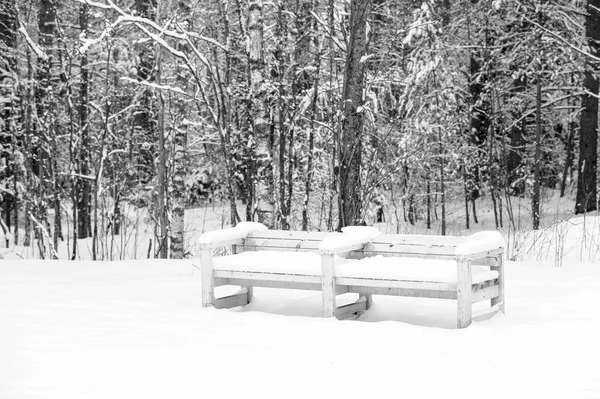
x,y
467,269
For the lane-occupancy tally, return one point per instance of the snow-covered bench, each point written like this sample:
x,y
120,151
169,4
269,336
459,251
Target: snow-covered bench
x,y
361,261
468,269
260,258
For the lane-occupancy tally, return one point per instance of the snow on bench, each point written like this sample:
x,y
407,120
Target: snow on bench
x,y
358,260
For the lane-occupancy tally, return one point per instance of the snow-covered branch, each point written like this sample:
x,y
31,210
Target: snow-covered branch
x,y
154,85
36,49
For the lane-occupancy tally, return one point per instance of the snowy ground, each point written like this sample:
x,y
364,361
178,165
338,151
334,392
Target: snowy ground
x,y
136,329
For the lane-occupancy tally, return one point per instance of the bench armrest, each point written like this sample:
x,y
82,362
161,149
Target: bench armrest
x,y
479,244
353,238
230,236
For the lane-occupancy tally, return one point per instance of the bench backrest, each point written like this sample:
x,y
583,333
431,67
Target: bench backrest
x,y
397,245
283,240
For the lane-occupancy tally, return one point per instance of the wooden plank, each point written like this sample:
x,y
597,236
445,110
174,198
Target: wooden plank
x,y
381,248
257,248
500,269
341,250
368,298
267,276
488,313
483,254
232,301
463,293
414,285
420,239
328,285
250,292
224,243
207,273
491,261
485,293
292,235
401,292
352,309
273,284
281,243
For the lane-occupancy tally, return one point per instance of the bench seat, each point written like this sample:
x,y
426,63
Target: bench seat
x,y
276,262
375,268
409,269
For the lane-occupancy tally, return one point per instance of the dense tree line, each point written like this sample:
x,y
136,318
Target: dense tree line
x,y
315,114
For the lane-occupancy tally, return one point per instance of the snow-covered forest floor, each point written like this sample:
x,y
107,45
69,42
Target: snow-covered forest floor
x,y
136,329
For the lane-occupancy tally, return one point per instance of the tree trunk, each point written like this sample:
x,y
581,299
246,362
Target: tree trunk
x,y
586,200
260,162
145,117
350,201
517,146
537,160
8,63
162,204
568,157
178,193
83,185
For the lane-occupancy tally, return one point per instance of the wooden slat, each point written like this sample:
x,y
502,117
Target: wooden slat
x,y
491,261
257,248
414,285
419,239
346,311
293,235
419,293
328,285
485,293
482,254
280,243
500,269
207,273
487,314
218,281
377,248
267,276
232,301
224,243
280,284
342,250
463,293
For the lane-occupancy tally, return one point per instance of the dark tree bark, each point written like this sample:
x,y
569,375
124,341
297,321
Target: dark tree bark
x,y
145,116
480,123
350,202
537,159
517,146
83,185
586,200
8,62
44,129
311,137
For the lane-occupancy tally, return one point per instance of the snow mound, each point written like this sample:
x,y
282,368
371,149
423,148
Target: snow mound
x,y
352,235
573,240
481,242
240,231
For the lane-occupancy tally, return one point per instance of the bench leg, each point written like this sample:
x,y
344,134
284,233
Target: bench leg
x,y
463,295
250,292
500,298
368,299
208,282
328,285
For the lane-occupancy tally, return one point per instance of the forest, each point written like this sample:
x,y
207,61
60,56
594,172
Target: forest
x,y
300,114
